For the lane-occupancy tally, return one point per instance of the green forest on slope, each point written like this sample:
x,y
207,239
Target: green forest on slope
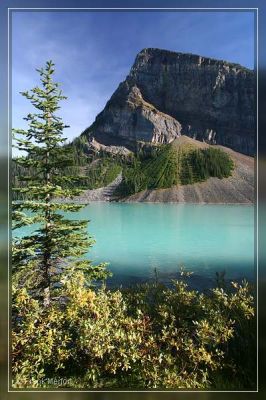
x,y
162,167
173,165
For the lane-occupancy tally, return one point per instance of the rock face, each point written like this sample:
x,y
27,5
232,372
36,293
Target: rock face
x,y
128,120
169,94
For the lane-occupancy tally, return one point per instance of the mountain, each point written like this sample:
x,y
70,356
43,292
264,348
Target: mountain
x,y
169,94
180,128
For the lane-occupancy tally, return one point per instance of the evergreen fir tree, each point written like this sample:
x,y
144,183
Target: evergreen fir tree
x,y
59,243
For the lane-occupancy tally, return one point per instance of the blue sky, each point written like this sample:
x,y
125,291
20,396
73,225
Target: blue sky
x,y
93,51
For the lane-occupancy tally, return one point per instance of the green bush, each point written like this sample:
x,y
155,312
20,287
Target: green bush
x,y
147,337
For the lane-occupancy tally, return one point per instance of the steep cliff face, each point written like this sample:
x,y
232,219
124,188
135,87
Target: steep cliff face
x,y
128,120
168,94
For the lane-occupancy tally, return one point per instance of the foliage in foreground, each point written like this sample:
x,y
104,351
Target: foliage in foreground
x,y
148,337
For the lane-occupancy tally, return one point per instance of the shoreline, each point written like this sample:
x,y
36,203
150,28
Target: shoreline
x,y
164,202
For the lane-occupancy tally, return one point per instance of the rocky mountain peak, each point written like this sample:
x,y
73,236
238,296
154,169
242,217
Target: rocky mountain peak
x,y
168,94
167,57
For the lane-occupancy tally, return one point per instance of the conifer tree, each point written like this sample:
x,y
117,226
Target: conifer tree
x,y
59,243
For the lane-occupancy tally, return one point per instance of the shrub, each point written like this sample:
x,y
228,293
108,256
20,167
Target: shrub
x,y
147,337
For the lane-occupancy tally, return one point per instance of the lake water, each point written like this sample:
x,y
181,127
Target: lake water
x,y
135,239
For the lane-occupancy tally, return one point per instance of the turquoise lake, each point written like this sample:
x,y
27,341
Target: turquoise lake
x,y
135,239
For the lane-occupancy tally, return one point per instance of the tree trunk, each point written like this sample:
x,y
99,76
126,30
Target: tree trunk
x,y
47,250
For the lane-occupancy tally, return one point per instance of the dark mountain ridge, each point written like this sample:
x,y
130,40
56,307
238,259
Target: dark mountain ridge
x,y
169,94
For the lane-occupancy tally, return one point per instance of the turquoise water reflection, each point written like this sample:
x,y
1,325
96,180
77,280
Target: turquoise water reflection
x,y
137,238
